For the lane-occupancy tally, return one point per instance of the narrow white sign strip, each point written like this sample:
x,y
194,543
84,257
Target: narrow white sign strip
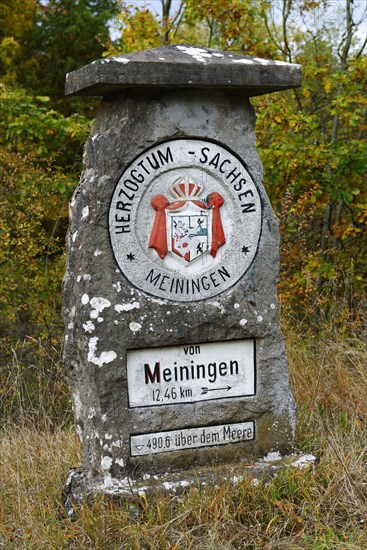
x,y
190,373
191,438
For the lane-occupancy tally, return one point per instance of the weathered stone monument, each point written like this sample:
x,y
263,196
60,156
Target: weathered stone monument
x,y
173,349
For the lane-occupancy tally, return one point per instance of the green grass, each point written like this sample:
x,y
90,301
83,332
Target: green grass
x,y
320,508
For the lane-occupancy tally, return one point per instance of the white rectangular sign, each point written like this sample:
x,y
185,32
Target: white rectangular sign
x,y
191,438
190,373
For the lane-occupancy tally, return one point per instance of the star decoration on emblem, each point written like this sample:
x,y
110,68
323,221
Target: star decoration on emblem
x,y
130,257
245,249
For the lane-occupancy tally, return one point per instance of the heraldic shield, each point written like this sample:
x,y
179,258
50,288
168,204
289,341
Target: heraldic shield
x,y
188,227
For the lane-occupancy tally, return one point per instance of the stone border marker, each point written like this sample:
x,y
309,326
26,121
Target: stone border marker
x,y
173,349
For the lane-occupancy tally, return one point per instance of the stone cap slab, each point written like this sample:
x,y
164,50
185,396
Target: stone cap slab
x,y
183,66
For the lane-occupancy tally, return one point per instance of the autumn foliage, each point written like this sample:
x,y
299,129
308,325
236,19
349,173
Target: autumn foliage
x,y
312,142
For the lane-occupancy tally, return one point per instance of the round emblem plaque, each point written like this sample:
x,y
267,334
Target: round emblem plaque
x,y
185,220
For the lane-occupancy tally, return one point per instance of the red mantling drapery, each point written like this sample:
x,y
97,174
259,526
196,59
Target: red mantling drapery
x,y
215,201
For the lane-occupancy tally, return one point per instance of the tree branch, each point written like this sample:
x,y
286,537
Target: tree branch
x,y
348,37
286,10
361,50
166,7
270,34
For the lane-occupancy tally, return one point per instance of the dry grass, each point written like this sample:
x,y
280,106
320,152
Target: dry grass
x,y
321,509
33,389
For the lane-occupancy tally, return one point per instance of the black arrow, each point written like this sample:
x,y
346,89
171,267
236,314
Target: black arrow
x,y
139,447
207,390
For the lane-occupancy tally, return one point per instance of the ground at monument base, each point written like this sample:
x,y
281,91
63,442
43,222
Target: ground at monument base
x,y
78,490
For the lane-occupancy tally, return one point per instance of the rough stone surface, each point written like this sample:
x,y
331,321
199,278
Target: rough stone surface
x,y
105,315
183,66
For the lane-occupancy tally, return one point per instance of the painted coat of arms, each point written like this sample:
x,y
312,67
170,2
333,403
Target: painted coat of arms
x,y
187,227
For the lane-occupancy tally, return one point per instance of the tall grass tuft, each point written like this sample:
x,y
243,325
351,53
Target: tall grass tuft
x,y
33,388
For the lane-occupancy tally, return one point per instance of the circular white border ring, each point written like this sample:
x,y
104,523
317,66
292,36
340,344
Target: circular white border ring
x,y
214,168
